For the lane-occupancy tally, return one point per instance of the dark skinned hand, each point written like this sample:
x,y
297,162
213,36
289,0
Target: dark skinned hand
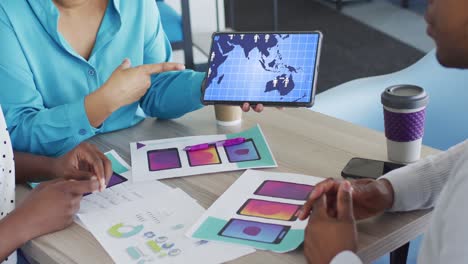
x,y
327,235
84,162
370,197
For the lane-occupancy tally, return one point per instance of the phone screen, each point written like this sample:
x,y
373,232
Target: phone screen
x,y
271,68
163,159
286,190
254,231
269,209
367,168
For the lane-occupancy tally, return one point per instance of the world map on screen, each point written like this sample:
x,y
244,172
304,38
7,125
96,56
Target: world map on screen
x,y
262,67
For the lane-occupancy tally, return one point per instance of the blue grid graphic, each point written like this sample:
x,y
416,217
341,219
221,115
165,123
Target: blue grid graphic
x,y
262,67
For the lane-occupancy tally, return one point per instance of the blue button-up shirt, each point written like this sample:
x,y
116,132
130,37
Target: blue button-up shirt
x,y
43,81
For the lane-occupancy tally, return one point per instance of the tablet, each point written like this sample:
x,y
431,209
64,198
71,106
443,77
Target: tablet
x,y
277,68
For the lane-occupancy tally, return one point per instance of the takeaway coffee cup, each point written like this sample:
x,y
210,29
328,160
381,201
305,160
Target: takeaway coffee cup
x,y
227,115
404,114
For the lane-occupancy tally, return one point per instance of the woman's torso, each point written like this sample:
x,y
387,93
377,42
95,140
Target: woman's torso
x,y
7,177
57,72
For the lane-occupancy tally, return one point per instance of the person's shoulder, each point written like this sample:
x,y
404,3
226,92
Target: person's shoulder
x,y
12,5
10,8
3,14
136,7
138,10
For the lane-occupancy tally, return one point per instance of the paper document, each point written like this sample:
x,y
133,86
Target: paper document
x,y
121,193
153,230
161,159
260,210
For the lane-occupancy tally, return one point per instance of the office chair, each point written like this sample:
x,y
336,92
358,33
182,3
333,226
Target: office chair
x,y
358,101
178,29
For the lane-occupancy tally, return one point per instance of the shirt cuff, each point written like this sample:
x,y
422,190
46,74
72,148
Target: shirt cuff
x,y
401,184
79,121
197,83
346,257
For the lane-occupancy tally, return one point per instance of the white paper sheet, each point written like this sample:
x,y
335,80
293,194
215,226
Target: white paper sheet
x,y
162,159
119,194
152,231
269,222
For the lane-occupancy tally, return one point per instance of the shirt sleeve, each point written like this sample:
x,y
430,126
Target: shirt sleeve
x,y
448,228
32,126
346,257
172,94
418,185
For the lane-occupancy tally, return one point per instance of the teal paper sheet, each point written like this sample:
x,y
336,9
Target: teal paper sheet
x,y
256,134
211,226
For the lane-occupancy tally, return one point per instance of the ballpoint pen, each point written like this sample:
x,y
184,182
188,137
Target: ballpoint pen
x,y
225,143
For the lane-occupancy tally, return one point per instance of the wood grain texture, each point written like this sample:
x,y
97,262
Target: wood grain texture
x,y
302,142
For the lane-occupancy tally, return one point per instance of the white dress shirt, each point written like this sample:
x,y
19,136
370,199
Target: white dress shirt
x,y
7,179
439,181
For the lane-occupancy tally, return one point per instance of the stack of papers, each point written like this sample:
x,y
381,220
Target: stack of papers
x,y
153,230
141,220
147,222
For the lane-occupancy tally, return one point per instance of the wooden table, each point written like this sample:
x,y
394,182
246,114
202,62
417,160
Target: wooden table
x,y
301,140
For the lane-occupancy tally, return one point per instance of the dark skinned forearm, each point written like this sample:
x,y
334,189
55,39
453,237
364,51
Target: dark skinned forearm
x,y
33,168
14,233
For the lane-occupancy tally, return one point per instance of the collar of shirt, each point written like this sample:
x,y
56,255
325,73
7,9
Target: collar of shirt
x,y
48,15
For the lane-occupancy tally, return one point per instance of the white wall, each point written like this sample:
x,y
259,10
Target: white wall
x,y
203,14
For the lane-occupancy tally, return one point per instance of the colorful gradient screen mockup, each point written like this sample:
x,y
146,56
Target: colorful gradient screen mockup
x,y
255,231
246,151
203,157
286,190
163,159
269,209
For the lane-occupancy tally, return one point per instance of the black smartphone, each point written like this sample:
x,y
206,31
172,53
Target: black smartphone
x,y
358,168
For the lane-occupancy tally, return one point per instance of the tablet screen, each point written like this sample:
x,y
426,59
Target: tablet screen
x,y
277,68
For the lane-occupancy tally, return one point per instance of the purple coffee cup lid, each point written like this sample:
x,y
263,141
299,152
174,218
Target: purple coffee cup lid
x,y
404,97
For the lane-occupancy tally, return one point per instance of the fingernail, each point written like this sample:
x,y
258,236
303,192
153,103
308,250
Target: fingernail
x,y
102,186
94,178
347,186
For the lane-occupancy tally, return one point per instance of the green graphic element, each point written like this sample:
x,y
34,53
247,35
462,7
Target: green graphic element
x,y
256,134
114,231
134,252
33,184
116,166
210,228
153,246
